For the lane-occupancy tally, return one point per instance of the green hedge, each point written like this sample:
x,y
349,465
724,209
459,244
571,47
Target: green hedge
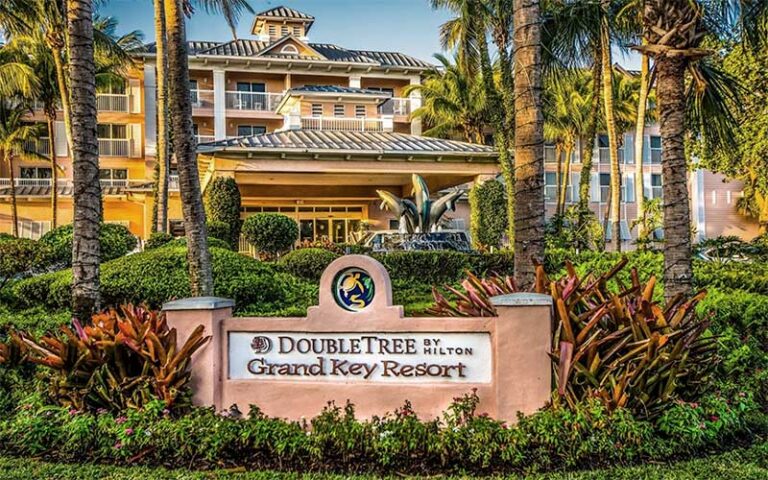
x,y
464,442
115,240
159,275
307,263
433,268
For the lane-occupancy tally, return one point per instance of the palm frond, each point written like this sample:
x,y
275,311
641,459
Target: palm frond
x,y
713,104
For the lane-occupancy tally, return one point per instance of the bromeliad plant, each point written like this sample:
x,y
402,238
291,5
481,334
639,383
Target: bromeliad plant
x,y
121,360
614,344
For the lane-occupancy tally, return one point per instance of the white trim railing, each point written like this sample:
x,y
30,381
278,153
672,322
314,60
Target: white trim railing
x,y
396,106
201,98
40,146
114,182
204,138
34,182
253,101
114,147
112,102
362,124
173,183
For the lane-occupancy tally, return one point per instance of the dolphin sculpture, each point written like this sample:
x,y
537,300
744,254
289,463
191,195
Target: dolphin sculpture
x,y
403,209
420,215
442,205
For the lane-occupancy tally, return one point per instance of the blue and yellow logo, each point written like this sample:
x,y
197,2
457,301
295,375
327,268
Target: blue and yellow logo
x,y
353,289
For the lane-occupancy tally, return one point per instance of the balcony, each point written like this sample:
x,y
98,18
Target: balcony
x,y
33,182
40,146
362,124
114,182
204,138
396,106
201,98
253,101
115,147
112,102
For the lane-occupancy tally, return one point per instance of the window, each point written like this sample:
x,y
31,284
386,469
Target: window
x,y
272,31
317,110
338,110
655,141
394,224
194,93
360,111
603,149
550,154
625,233
550,186
289,50
113,177
605,187
251,95
283,30
656,186
248,130
113,88
36,172
390,91
111,131
628,188
296,31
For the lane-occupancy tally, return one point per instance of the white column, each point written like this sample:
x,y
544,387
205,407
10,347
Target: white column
x,y
150,110
415,97
219,105
354,81
698,204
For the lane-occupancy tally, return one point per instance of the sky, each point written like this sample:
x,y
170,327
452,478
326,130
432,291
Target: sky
x,y
407,26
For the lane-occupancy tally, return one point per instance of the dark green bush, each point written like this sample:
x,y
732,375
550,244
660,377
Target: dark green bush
x,y
222,204
219,230
432,268
489,214
307,263
157,239
6,236
748,276
160,275
270,233
501,262
116,241
212,243
21,257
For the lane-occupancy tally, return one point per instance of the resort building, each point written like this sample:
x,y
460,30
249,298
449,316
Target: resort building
x,y
310,130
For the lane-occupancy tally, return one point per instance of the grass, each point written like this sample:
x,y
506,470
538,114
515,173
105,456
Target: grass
x,y
743,464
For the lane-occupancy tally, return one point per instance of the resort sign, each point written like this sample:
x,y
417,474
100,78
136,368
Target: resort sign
x,y
356,346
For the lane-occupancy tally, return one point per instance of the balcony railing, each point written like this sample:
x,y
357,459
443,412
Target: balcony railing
x,y
204,138
34,182
40,146
253,101
396,106
114,147
112,102
201,98
173,182
114,182
343,123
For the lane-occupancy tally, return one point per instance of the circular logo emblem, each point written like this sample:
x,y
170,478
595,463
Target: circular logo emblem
x,y
353,289
261,344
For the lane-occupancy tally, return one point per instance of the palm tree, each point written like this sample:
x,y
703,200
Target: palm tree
x,y
529,142
453,102
163,154
14,133
85,158
567,109
642,106
675,32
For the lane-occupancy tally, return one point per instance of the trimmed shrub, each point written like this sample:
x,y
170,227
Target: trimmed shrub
x,y
270,233
20,257
219,230
489,217
116,241
222,204
6,236
501,262
433,268
157,276
307,263
157,239
212,243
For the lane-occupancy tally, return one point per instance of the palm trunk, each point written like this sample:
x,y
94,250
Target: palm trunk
x,y
588,139
529,143
54,169
558,175
613,144
14,207
163,158
180,106
64,93
85,160
670,90
642,104
566,177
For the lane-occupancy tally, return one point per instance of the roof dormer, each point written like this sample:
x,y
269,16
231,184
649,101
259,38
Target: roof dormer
x,y
279,22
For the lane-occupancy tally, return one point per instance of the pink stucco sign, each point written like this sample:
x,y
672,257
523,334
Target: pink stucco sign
x,y
356,345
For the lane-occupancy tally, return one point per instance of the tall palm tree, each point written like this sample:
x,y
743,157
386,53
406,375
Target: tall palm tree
x,y
567,109
642,106
529,141
14,133
453,102
675,32
85,158
180,108
163,153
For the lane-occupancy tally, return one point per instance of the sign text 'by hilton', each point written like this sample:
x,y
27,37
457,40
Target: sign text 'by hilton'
x,y
361,357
